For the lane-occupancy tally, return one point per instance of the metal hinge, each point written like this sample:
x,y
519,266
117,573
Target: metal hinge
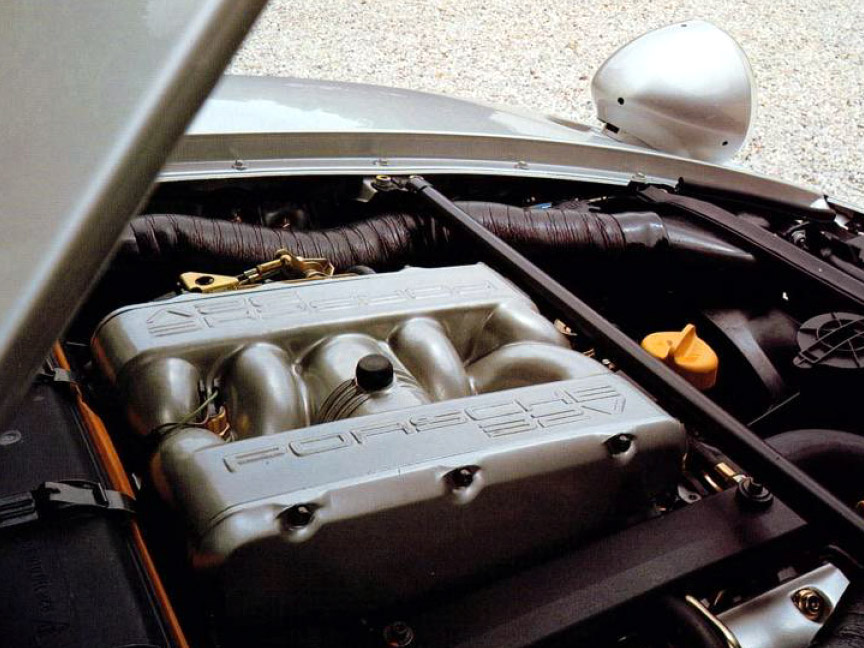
x,y
52,499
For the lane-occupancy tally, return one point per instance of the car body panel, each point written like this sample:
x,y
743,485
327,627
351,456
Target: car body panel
x,y
93,95
255,104
259,126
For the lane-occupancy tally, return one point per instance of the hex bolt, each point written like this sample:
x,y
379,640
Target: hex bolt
x,y
799,238
398,634
299,516
619,444
10,437
811,603
754,493
462,477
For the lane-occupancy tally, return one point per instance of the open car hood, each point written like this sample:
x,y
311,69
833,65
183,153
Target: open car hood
x,y
93,96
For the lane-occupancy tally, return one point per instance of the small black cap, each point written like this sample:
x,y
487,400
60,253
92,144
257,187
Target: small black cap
x,y
753,493
374,372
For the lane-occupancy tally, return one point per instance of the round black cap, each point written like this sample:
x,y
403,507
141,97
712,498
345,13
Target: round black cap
x,y
374,372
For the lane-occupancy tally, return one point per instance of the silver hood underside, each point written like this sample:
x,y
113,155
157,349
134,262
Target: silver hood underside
x,y
93,95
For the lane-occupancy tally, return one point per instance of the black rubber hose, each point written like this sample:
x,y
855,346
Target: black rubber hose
x,y
834,458
387,241
679,623
845,626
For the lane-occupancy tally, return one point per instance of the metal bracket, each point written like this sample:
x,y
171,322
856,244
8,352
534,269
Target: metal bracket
x,y
285,264
53,375
62,497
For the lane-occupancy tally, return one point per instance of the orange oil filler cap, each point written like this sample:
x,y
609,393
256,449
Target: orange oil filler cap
x,y
686,353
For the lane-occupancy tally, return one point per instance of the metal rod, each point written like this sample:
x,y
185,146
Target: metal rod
x,y
799,491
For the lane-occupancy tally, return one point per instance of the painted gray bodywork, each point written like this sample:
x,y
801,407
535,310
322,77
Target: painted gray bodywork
x,y
258,126
686,89
254,104
93,96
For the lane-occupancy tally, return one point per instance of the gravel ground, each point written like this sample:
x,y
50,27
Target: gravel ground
x,y
807,56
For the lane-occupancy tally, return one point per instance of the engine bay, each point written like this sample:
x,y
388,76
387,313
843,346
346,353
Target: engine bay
x,y
349,422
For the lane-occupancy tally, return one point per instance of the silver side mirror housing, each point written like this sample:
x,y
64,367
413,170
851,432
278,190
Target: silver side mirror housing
x,y
686,89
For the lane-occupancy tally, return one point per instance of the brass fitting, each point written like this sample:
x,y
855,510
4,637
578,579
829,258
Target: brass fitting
x,y
811,603
284,263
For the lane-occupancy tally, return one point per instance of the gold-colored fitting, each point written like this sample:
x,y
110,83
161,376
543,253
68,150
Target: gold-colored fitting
x,y
284,264
811,603
219,424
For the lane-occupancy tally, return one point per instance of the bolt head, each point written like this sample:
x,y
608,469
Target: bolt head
x,y
756,489
811,603
299,516
619,444
462,477
754,493
398,635
10,437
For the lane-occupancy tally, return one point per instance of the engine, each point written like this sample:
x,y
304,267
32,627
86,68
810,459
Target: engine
x,y
324,420
390,434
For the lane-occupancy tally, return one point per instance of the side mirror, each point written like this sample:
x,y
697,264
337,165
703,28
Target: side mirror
x,y
685,89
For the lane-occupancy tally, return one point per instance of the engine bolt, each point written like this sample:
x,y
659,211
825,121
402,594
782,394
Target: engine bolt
x,y
462,477
9,437
619,444
299,515
811,603
799,238
754,493
398,635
